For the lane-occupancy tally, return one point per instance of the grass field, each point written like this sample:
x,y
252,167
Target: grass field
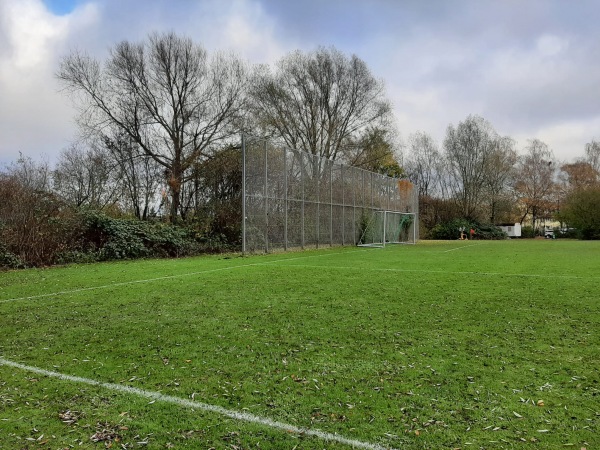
x,y
437,345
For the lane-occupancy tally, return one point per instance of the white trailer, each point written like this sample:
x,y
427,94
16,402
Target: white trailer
x,y
511,229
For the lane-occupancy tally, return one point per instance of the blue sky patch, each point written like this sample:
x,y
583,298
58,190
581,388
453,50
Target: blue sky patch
x,y
61,7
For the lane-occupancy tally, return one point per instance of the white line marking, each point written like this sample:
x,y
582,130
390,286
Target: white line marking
x,y
167,277
459,248
236,415
524,275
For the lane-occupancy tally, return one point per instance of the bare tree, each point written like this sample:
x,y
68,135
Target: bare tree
x,y
35,226
139,175
592,155
469,149
86,177
534,180
424,165
499,177
320,102
32,175
166,95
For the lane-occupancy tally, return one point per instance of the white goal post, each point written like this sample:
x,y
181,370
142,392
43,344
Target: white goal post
x,y
388,227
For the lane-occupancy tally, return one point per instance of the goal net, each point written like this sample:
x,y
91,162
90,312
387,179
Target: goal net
x,y
387,227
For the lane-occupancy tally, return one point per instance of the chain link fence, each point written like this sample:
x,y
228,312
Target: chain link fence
x,y
293,199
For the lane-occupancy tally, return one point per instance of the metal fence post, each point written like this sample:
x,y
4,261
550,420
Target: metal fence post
x,y
266,202
330,164
354,206
342,179
303,199
372,192
243,194
318,175
285,201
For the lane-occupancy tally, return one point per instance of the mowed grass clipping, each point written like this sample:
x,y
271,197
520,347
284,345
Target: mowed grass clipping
x,y
439,345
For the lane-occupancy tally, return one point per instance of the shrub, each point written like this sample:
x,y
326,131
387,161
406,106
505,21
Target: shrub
x,y
77,257
363,223
114,238
9,260
450,230
34,225
566,233
527,232
165,240
217,243
489,232
111,238
582,211
37,228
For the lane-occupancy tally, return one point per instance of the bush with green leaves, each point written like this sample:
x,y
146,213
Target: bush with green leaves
x,y
488,231
582,211
89,236
527,232
451,230
39,228
116,238
8,259
112,238
566,233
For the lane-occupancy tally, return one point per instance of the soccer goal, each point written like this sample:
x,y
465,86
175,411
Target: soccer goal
x,y
388,227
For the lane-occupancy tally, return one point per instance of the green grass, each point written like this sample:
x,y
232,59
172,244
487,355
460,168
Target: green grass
x,y
439,345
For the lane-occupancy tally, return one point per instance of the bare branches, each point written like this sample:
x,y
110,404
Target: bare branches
x,y
166,95
592,155
86,177
425,165
535,182
319,102
469,148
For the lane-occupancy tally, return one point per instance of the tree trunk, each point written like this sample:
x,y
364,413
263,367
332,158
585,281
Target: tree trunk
x,y
175,201
174,180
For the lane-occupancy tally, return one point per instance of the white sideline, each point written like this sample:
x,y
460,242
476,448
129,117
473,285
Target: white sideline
x,y
166,277
523,275
236,415
459,248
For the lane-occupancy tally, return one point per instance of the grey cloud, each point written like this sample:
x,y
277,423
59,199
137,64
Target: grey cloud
x,y
441,60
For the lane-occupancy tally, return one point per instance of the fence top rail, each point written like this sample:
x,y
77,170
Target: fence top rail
x,y
264,144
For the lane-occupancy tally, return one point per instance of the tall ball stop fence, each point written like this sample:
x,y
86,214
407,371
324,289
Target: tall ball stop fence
x,y
293,199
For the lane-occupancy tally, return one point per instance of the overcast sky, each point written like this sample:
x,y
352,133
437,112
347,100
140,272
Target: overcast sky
x,y
530,67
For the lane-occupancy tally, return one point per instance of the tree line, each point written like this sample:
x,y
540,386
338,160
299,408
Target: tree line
x,y
163,108
479,176
155,168
159,126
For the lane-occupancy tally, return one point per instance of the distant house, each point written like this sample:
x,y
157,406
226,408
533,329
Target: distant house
x,y
511,229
